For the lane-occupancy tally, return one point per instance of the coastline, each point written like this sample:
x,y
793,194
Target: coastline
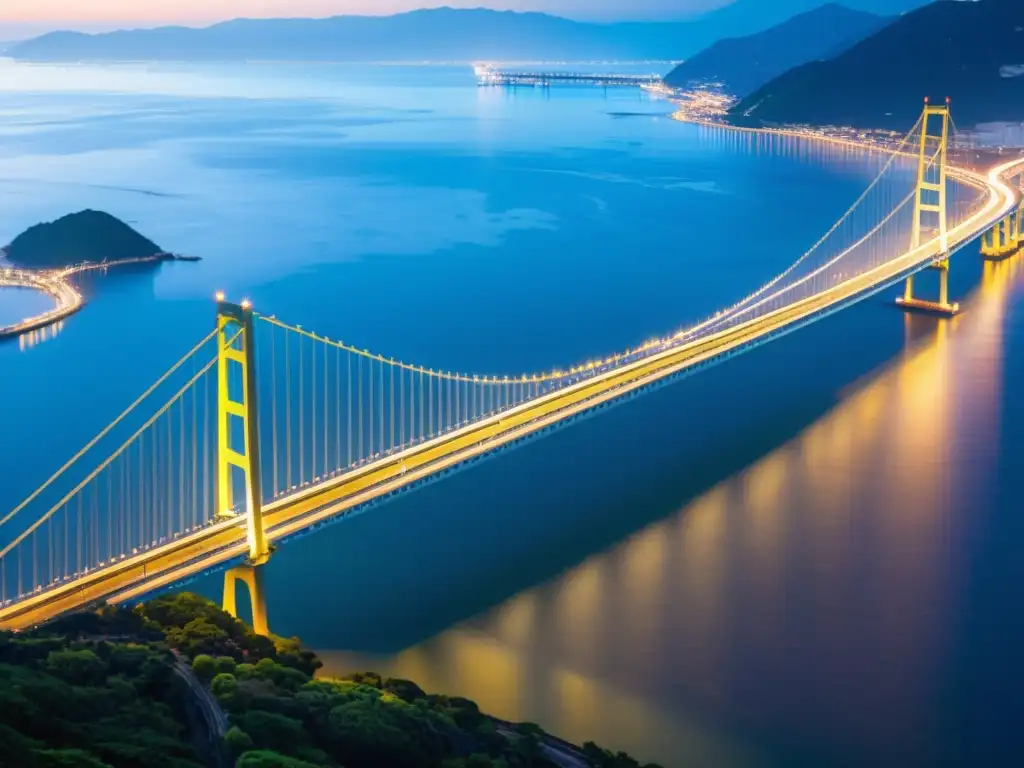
x,y
57,285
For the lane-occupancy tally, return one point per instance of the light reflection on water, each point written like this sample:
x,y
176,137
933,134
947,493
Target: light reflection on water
x,y
18,303
819,580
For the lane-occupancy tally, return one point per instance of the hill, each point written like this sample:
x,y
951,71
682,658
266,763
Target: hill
x,y
439,34
964,50
178,683
744,64
78,237
442,34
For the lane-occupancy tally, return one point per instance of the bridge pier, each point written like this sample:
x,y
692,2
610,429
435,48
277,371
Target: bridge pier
x,y
252,577
941,307
1004,239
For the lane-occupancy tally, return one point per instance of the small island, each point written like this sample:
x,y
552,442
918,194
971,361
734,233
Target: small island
x,y
86,236
45,257
178,683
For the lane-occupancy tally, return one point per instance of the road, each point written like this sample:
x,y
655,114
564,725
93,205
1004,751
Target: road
x,y
225,541
56,283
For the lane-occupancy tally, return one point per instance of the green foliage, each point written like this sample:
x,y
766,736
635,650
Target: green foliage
x,y
76,667
237,741
205,667
90,704
404,689
67,758
270,730
268,759
106,700
603,758
225,688
476,760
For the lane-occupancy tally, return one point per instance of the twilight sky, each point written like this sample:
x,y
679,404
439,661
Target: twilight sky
x,y
18,17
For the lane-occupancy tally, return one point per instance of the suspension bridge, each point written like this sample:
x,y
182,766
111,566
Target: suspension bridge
x,y
264,430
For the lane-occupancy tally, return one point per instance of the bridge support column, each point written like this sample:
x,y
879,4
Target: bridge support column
x,y
252,577
930,199
941,307
1004,239
238,447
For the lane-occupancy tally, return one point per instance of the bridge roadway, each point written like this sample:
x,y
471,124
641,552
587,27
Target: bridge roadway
x,y
225,541
55,283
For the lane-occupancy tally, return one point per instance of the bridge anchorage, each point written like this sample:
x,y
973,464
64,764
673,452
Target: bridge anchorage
x,y
263,431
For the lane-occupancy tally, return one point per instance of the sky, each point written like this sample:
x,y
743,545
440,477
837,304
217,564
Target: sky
x,y
27,18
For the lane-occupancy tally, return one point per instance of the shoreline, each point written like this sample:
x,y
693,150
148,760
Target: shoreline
x,y
56,284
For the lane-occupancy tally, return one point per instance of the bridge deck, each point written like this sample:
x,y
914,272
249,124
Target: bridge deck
x,y
226,541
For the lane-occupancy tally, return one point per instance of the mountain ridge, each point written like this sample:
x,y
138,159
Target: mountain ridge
x,y
439,34
743,64
960,50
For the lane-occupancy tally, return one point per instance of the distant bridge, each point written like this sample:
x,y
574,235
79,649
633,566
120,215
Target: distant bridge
x,y
488,76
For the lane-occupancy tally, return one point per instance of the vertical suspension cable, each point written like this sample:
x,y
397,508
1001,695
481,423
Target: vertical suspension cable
x,y
181,468
381,443
302,421
312,427
337,407
195,438
327,411
169,469
371,418
207,469
359,408
288,414
349,397
275,480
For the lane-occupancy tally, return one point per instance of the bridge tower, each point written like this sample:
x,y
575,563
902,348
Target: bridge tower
x,y
931,199
238,450
1007,237
238,443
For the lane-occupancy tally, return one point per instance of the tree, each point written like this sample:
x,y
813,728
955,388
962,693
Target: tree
x,y
237,741
224,687
267,759
272,731
76,667
205,667
67,758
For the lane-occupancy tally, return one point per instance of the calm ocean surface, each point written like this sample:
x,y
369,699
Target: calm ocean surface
x,y
807,556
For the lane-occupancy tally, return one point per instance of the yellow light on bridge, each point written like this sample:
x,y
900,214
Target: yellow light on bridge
x,y
219,295
246,304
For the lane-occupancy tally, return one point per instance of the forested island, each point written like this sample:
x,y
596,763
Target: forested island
x,y
88,235
178,683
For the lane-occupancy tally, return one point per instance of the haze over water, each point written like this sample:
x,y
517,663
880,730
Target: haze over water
x,y
806,555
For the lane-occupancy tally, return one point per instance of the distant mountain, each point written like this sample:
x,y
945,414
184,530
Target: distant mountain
x,y
969,51
440,34
744,64
747,17
78,237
